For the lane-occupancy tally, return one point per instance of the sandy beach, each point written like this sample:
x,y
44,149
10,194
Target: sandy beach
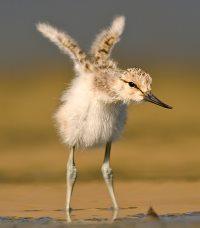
x,y
43,204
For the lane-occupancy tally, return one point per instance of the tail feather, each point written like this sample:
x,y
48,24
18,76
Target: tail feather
x,y
105,41
66,44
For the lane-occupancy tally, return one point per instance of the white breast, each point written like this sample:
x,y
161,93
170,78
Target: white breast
x,y
84,120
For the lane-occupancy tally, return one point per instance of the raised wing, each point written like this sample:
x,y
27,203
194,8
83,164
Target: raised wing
x,y
65,42
105,41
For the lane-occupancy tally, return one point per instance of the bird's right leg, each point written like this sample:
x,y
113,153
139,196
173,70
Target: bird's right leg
x,y
108,175
71,177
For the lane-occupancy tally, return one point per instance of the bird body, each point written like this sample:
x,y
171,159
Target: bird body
x,y
93,108
86,117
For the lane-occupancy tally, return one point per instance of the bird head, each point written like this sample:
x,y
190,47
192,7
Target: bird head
x,y
134,86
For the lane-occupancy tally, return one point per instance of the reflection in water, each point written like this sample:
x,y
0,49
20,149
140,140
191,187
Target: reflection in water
x,y
115,213
113,218
68,215
90,211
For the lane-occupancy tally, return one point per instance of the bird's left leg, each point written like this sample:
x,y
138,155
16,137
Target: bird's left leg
x,y
71,177
108,175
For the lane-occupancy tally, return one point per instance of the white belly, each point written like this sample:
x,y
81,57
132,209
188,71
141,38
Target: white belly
x,y
89,125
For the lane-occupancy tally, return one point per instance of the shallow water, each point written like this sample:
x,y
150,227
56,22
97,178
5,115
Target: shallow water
x,y
191,220
172,201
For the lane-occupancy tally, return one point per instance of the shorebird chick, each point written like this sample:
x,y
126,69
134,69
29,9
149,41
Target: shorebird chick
x,y
93,109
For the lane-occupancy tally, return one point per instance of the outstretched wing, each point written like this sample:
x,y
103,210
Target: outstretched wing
x,y
105,41
63,41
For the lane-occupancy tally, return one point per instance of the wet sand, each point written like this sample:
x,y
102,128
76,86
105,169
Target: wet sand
x,y
191,220
174,202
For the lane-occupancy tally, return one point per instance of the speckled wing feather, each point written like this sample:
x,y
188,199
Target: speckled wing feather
x,y
66,43
105,41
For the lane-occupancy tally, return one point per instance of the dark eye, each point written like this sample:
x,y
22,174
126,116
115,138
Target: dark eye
x,y
131,84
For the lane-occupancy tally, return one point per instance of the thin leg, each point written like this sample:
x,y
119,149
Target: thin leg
x,y
71,177
114,215
108,174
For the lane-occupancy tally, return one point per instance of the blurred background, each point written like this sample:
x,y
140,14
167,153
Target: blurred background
x,y
162,37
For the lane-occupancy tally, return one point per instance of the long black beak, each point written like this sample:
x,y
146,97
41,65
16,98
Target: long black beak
x,y
151,98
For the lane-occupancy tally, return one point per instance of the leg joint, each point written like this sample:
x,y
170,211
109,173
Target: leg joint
x,y
71,172
107,172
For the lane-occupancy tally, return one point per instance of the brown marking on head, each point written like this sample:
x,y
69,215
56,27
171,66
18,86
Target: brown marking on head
x,y
139,77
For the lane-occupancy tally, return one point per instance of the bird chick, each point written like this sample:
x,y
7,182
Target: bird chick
x,y
93,109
